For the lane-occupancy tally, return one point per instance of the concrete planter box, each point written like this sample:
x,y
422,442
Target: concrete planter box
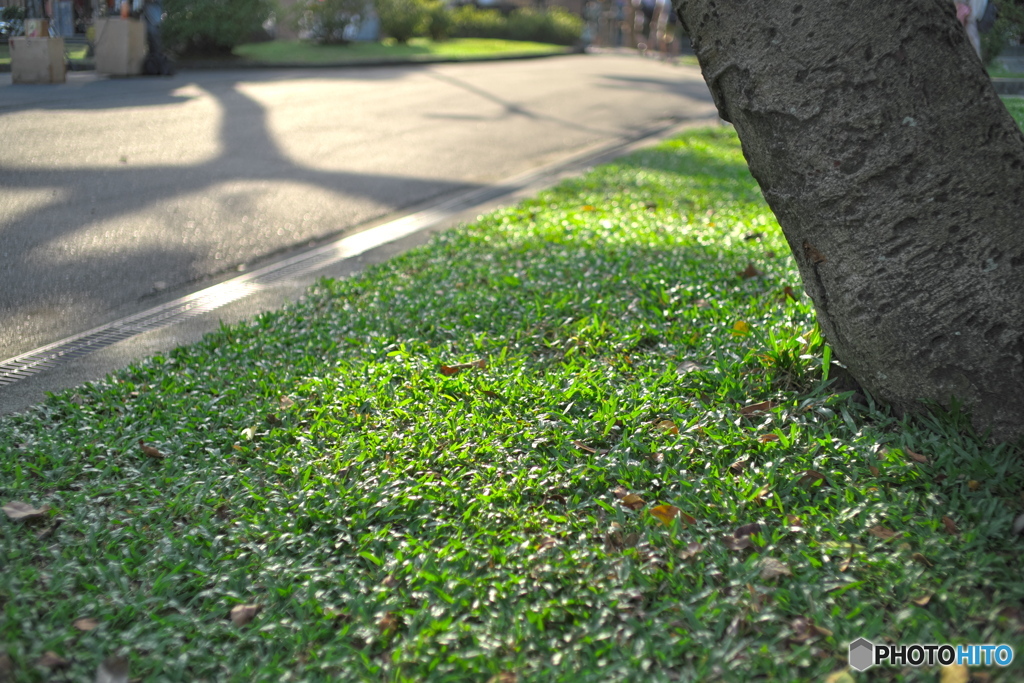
x,y
120,46
37,60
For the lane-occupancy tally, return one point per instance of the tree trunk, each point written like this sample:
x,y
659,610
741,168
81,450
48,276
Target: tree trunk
x,y
897,176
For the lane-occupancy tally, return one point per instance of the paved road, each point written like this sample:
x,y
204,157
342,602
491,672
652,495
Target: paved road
x,y
116,195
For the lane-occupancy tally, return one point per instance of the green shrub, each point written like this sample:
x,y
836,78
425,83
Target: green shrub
x,y
325,21
547,26
402,19
552,26
439,20
205,27
470,22
1009,26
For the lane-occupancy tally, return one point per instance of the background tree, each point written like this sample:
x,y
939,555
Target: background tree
x,y
897,176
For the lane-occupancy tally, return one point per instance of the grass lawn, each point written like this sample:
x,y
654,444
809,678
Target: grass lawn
x,y
284,51
1015,105
586,438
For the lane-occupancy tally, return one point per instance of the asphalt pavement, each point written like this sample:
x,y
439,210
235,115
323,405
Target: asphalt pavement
x,y
117,195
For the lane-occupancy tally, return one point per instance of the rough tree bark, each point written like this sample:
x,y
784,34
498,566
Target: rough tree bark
x,y
897,176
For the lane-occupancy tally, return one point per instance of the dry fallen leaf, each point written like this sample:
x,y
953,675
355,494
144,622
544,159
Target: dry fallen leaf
x,y
841,676
761,494
243,614
18,511
53,661
620,492
921,559
757,408
112,670
740,465
688,366
749,272
884,533
768,438
449,370
85,624
772,568
149,451
692,549
388,624
950,525
916,457
667,426
804,629
922,601
974,485
503,677
954,673
874,470
665,513
632,501
788,292
810,478
740,328
583,447
285,402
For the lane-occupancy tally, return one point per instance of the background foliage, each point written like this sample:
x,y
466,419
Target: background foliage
x,y
211,27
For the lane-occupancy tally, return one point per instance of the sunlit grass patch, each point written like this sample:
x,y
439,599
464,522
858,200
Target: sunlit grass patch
x,y
583,438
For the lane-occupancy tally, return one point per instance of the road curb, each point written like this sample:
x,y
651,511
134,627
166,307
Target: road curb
x,y
232,64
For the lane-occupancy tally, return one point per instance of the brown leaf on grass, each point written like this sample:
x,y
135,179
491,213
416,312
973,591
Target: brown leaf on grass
x,y
149,451
112,670
583,447
493,394
739,466
389,581
761,495
747,530
951,527
787,291
768,438
750,272
691,551
85,624
921,559
810,478
772,568
285,402
503,677
922,601
632,501
804,629
666,513
50,530
874,470
841,676
793,520
242,614
740,539
449,370
954,673
917,457
667,426
845,564
974,485
389,623
620,492
23,512
687,366
53,661
884,533
757,408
